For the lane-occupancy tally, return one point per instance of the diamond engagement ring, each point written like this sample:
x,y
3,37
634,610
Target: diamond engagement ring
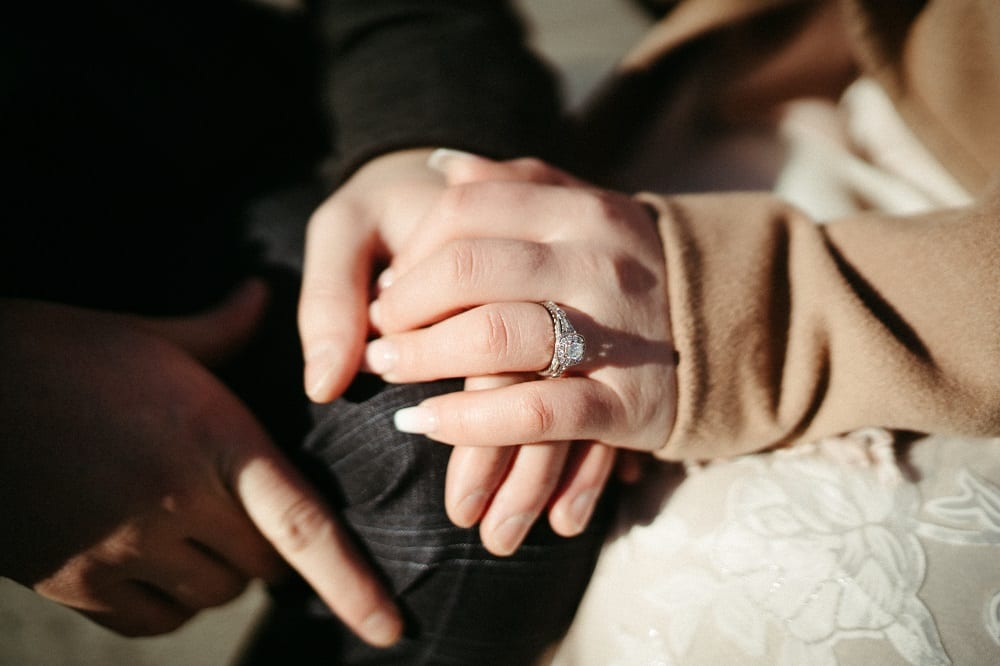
x,y
570,346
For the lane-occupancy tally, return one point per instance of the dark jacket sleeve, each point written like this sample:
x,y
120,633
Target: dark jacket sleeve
x,y
425,73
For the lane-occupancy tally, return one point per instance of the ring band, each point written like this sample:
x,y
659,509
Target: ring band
x,y
569,348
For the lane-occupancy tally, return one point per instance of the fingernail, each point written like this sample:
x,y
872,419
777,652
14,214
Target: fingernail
x,y
381,356
373,314
385,278
319,374
416,420
509,534
442,157
381,628
581,508
471,507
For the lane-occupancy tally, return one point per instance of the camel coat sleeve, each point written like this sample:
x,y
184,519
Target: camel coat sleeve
x,y
787,330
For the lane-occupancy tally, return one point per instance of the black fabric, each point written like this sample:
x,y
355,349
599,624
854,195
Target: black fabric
x,y
450,73
134,134
134,138
462,605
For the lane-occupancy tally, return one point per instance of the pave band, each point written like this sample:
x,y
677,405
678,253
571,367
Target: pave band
x,y
569,348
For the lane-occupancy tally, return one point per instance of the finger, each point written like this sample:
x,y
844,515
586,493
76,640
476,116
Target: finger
x,y
468,273
191,575
225,533
134,608
295,521
474,474
525,211
333,302
568,408
219,333
488,340
522,496
459,167
581,487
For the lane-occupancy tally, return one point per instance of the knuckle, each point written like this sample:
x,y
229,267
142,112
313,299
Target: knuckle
x,y
465,260
195,417
301,525
537,415
453,204
599,207
498,337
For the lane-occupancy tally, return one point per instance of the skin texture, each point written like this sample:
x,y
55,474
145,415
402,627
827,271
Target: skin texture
x,y
387,208
461,300
138,490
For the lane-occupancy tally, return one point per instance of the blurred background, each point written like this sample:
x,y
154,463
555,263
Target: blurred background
x,y
583,39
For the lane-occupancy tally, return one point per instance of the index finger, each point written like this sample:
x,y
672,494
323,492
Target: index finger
x,y
302,529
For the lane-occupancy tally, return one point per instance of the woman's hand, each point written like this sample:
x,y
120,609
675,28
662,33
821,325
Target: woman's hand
x,y
138,489
463,299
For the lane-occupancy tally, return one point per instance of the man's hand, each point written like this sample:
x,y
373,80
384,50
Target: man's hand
x,y
138,489
364,223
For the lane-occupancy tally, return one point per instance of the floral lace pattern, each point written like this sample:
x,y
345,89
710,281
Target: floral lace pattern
x,y
809,553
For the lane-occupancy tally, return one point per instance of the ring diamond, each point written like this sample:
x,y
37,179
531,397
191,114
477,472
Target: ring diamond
x,y
570,347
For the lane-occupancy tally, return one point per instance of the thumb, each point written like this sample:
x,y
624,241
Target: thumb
x,y
219,333
333,302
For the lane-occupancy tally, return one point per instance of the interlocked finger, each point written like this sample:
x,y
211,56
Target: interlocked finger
x,y
522,497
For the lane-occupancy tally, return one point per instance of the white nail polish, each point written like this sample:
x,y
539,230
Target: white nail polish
x,y
416,420
381,356
385,278
442,157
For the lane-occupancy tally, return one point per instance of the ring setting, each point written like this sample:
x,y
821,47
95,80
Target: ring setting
x,y
570,347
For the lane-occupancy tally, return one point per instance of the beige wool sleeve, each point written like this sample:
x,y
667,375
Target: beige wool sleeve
x,y
789,331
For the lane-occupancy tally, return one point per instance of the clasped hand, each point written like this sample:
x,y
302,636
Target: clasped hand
x,y
462,300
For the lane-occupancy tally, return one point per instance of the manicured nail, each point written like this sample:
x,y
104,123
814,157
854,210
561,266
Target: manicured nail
x,y
416,420
381,356
442,157
385,278
373,314
510,533
581,509
381,628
